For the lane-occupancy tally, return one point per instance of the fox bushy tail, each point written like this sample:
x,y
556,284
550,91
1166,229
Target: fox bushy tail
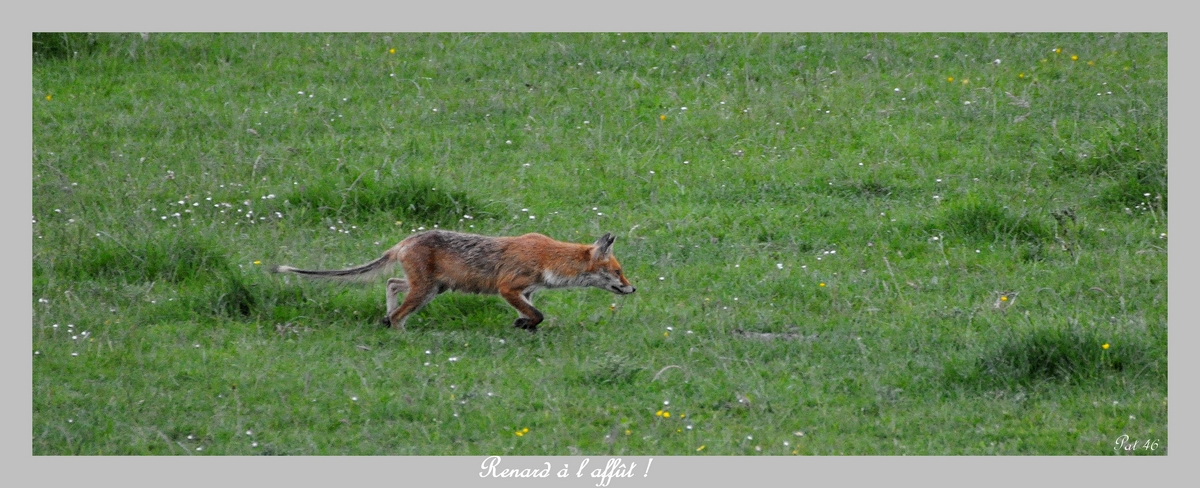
x,y
358,273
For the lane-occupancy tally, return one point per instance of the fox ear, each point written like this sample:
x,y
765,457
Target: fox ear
x,y
603,246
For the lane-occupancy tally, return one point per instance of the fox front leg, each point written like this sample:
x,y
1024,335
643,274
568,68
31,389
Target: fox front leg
x,y
530,317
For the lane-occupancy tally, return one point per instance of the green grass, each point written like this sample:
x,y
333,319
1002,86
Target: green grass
x,y
833,238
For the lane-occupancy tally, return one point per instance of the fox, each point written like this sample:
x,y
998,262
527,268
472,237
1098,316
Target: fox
x,y
515,267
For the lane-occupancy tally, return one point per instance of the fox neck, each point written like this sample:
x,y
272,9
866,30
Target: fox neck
x,y
554,280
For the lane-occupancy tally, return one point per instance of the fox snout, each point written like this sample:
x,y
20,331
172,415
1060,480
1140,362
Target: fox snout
x,y
622,289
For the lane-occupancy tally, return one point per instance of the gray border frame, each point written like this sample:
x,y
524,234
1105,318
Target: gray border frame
x,y
621,15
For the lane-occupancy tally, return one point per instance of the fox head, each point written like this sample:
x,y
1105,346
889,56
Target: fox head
x,y
607,274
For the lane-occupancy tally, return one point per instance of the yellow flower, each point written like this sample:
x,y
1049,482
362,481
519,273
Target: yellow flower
x,y
665,334
949,79
47,98
1058,50
662,117
1091,63
666,415
701,448
392,51
1004,299
822,285
1074,57
966,80
683,415
1105,346
627,432
256,263
519,433
1022,75
658,413
525,430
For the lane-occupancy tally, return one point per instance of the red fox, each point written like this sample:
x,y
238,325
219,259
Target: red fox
x,y
512,267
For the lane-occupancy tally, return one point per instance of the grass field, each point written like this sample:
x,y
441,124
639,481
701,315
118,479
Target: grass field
x,y
843,244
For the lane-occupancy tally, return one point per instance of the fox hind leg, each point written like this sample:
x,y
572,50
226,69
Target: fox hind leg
x,y
416,298
395,286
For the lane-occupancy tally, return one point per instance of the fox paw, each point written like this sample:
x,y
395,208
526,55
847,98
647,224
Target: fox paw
x,y
386,321
524,323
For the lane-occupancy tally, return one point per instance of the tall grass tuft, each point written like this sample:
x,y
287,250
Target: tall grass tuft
x,y
1063,353
973,218
174,259
59,45
414,199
